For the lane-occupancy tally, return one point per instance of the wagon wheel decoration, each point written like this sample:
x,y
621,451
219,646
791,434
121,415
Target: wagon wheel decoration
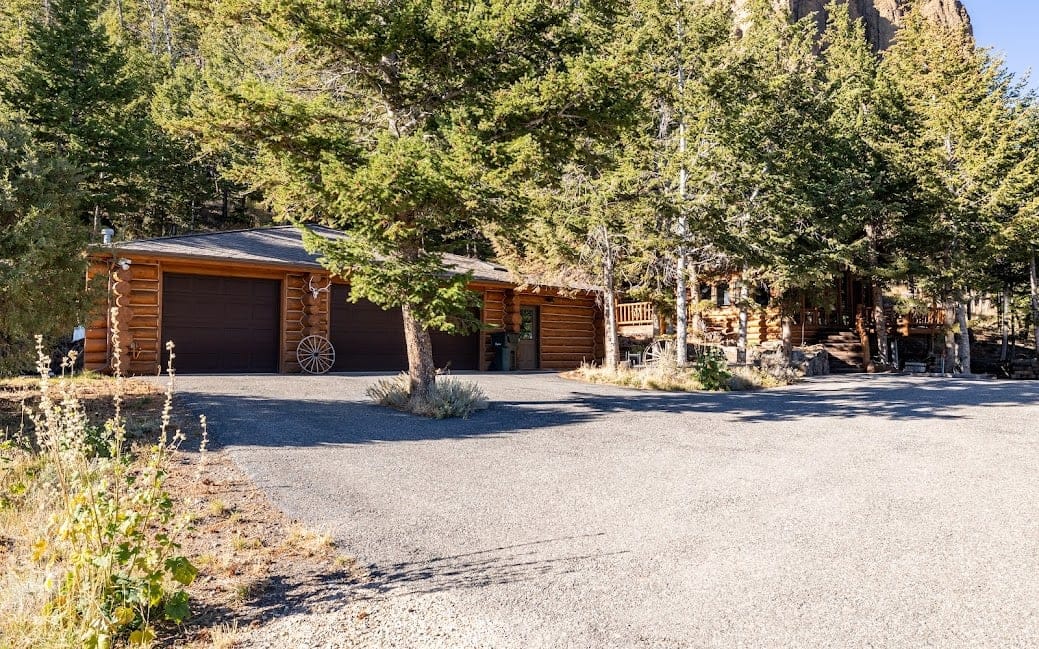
x,y
656,351
315,354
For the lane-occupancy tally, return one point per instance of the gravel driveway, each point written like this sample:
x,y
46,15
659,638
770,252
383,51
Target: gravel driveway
x,y
841,512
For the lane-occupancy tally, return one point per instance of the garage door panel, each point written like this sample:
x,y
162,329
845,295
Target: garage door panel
x,y
370,339
457,352
222,324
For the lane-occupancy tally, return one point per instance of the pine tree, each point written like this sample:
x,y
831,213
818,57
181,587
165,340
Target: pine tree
x,y
41,262
688,63
415,127
785,223
589,231
1012,251
876,197
74,90
961,146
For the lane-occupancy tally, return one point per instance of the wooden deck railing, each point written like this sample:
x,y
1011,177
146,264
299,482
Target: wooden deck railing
x,y
636,313
934,318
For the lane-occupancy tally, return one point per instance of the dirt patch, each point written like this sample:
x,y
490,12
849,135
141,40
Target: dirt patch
x,y
142,402
255,564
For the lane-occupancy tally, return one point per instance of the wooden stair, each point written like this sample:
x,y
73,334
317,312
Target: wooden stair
x,y
845,351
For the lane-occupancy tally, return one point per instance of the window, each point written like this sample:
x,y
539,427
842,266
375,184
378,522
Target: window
x,y
528,322
705,291
724,297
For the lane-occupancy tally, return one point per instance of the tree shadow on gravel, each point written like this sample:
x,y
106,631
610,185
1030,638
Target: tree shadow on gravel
x,y
496,566
314,590
274,422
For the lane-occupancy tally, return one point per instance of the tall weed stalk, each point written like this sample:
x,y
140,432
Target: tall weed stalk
x,y
110,549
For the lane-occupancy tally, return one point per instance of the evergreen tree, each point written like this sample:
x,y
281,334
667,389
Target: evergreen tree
x,y
867,121
1012,252
415,127
74,90
41,244
688,63
785,223
961,146
591,231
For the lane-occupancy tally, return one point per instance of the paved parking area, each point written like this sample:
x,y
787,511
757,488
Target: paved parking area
x,y
841,512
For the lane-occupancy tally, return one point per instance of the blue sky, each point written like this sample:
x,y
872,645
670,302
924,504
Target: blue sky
x,y
1010,27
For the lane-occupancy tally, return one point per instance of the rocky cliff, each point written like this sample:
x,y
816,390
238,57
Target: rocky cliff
x,y
882,17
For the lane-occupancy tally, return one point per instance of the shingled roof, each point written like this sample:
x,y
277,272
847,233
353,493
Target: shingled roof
x,y
279,245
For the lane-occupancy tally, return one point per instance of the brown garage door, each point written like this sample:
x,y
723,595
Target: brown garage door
x,y
222,324
369,339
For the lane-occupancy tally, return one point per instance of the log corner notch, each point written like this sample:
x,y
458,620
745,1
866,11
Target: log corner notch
x,y
306,305
134,289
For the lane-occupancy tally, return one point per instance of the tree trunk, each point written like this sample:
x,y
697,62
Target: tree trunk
x,y
880,322
694,292
681,300
950,338
741,341
788,343
1004,324
1033,277
964,350
421,369
863,332
681,310
1013,336
612,355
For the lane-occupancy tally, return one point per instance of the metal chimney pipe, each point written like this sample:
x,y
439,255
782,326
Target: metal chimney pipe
x,y
106,236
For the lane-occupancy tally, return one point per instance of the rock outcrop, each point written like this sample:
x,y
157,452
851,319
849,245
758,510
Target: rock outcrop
x,y
882,17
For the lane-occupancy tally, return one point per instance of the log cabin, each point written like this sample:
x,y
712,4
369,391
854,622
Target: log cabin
x,y
241,301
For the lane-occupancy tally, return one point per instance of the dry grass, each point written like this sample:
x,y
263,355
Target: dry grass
x,y
450,397
673,379
752,378
142,402
650,378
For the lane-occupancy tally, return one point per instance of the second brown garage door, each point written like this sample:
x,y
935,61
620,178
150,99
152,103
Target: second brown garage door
x,y
368,339
221,324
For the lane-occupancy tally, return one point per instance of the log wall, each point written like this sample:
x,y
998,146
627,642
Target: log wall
x,y
304,313
137,293
569,332
763,325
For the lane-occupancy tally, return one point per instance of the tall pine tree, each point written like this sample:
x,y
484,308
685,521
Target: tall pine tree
x,y
414,127
961,146
74,90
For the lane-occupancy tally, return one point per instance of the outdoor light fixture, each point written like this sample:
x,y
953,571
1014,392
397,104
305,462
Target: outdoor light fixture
x,y
124,263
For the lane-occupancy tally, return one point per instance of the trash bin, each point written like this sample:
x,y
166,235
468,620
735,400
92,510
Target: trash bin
x,y
501,342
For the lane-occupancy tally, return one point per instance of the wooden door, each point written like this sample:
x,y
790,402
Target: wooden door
x,y
527,351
